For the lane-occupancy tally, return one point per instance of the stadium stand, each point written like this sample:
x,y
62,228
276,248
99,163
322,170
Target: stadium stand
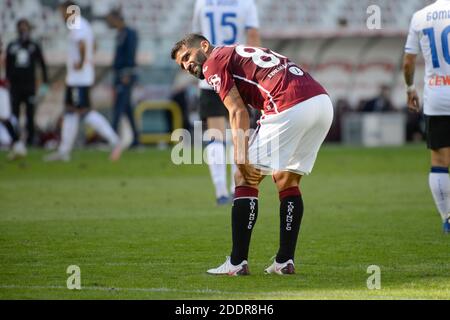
x,y
164,19
329,38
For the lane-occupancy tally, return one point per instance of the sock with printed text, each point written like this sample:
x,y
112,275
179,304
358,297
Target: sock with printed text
x,y
291,213
243,218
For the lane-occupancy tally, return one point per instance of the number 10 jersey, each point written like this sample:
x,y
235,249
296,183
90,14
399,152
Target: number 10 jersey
x,y
265,79
429,32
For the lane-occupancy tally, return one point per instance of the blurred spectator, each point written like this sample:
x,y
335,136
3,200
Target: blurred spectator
x,y
415,126
361,104
342,106
342,22
124,66
180,94
381,103
22,56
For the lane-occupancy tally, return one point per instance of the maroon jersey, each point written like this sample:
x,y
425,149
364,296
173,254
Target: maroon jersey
x,y
265,79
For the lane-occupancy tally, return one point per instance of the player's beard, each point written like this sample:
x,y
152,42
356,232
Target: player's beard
x,y
200,60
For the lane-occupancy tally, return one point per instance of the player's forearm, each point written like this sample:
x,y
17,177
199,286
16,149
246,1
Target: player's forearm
x,y
240,123
82,58
82,50
409,66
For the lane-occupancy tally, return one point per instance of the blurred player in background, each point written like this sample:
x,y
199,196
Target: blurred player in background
x,y
224,23
18,147
22,57
125,73
297,117
80,78
429,32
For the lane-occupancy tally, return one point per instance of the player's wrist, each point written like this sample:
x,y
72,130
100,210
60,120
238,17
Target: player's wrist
x,y
410,88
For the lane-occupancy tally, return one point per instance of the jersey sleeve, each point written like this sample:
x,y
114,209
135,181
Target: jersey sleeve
x,y
196,23
218,75
413,41
252,20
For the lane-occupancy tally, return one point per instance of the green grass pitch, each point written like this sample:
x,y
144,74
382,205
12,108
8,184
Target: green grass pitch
x,y
144,228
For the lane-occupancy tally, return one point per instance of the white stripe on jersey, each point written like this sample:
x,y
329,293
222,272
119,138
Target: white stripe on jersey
x,y
261,88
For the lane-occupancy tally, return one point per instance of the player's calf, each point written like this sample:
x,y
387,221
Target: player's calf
x,y
244,214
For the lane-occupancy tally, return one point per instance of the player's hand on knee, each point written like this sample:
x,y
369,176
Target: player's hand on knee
x,y
251,175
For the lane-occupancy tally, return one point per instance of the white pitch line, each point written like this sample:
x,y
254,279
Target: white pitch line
x,y
119,264
119,289
210,291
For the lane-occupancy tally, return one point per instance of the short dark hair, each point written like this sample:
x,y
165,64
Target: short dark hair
x,y
116,13
21,21
66,4
190,40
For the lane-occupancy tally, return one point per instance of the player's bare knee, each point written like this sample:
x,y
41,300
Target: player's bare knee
x,y
440,158
285,180
241,181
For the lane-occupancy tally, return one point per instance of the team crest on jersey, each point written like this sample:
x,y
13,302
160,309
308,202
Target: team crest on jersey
x,y
215,82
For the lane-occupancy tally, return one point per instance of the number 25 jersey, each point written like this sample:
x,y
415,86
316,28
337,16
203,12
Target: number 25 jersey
x,y
265,79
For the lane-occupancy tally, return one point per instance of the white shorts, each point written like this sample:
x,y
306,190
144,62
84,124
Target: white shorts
x,y
5,104
290,140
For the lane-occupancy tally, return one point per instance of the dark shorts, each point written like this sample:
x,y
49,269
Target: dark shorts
x,y
438,132
77,97
211,105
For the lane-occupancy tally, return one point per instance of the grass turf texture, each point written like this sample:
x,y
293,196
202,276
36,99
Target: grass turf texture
x,y
144,228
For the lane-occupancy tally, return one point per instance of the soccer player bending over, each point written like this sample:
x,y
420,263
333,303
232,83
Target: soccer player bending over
x,y
429,33
245,24
297,117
